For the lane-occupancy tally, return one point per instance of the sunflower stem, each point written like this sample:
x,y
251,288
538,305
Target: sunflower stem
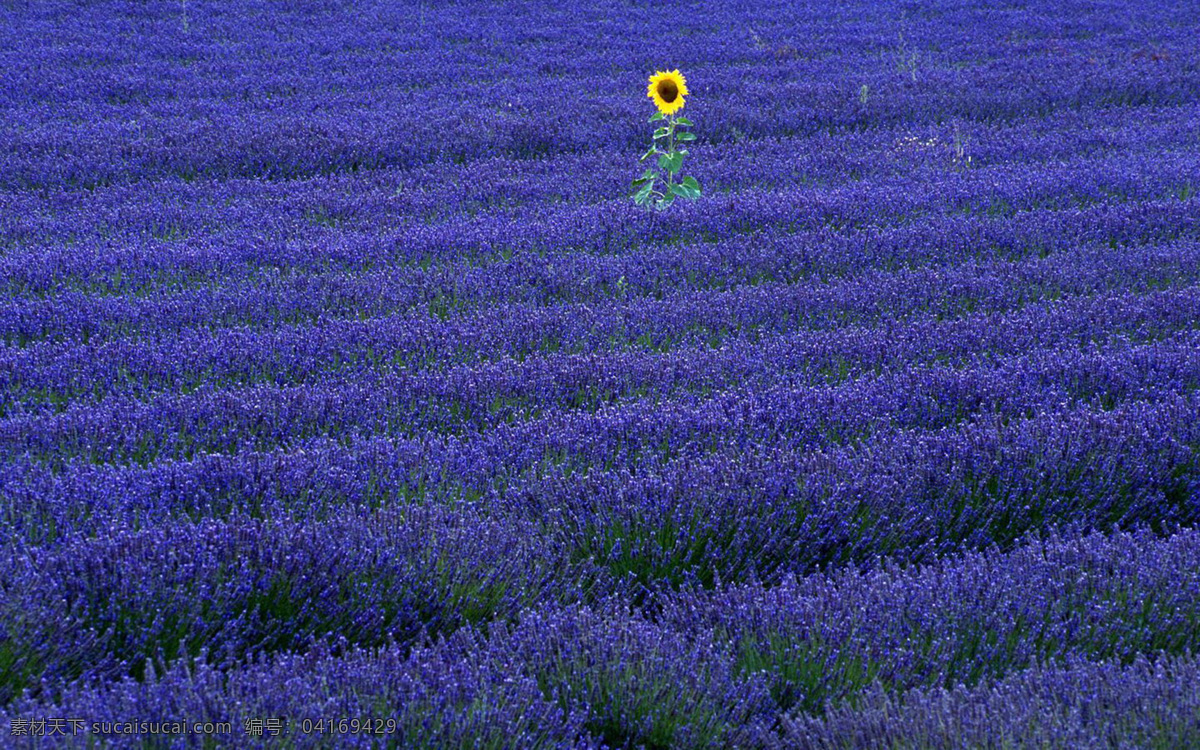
x,y
670,149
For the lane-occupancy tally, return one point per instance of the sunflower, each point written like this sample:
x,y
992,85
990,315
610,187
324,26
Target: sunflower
x,y
667,89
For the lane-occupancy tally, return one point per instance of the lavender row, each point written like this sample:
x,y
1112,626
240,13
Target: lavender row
x,y
495,187
526,275
1148,703
729,514
44,377
771,411
824,639
402,124
606,227
737,515
469,400
101,607
718,670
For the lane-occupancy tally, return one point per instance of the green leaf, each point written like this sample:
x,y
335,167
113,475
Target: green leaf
x,y
649,153
686,136
690,183
656,117
671,162
661,133
644,194
683,191
648,173
683,121
667,200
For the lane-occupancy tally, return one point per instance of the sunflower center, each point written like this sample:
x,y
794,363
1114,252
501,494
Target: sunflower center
x,y
668,91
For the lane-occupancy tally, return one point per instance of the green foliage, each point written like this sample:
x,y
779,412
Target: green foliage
x,y
672,162
659,187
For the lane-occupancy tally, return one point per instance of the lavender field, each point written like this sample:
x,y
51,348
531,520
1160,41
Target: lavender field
x,y
343,382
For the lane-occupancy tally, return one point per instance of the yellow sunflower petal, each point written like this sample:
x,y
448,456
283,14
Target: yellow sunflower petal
x,y
667,89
